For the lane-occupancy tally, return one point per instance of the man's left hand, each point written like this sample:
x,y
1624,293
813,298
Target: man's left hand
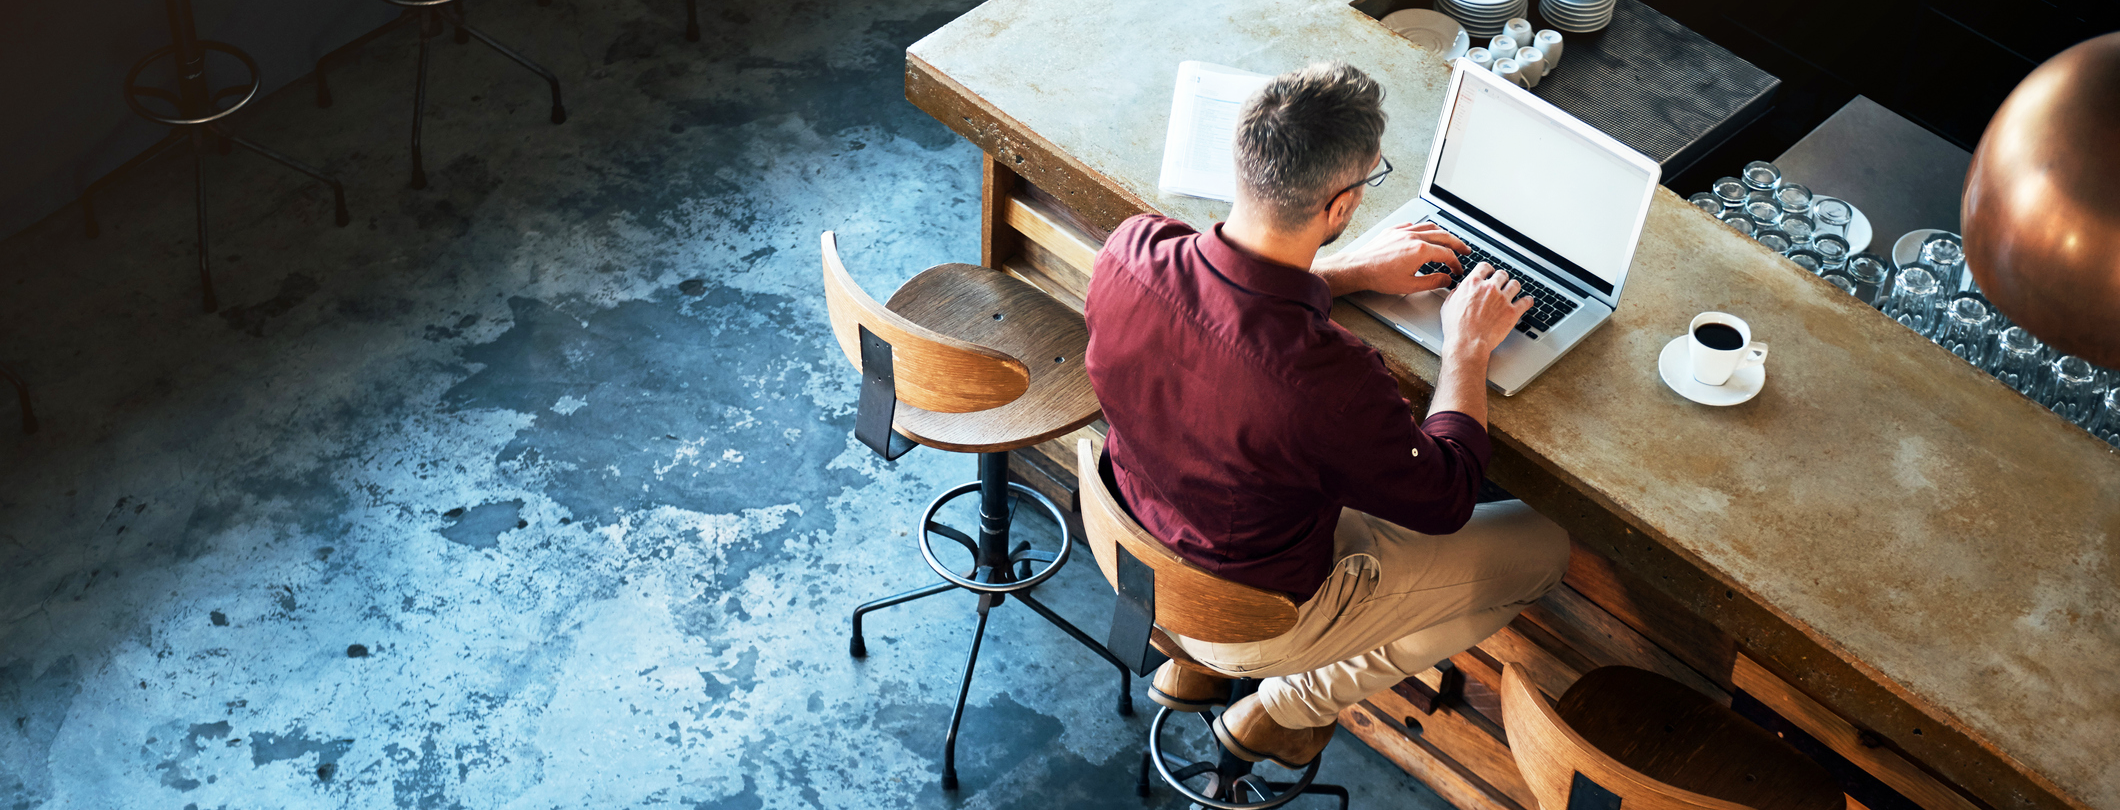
x,y
1392,264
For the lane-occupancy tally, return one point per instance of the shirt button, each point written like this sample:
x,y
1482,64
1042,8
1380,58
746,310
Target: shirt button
x,y
1416,452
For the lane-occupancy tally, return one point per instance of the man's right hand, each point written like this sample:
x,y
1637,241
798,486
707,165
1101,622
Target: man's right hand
x,y
1482,309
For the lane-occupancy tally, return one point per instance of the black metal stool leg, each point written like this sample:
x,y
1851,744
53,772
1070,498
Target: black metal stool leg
x,y
691,20
338,192
208,302
964,690
1126,699
419,110
559,111
859,648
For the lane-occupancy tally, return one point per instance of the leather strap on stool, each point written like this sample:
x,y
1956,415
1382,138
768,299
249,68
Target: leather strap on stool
x,y
1134,616
879,400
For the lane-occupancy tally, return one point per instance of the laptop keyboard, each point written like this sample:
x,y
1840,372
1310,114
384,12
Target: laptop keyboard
x,y
1548,307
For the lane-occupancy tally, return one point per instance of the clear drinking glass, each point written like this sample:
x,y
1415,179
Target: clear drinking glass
x,y
1964,327
1871,276
1807,259
1915,298
1831,247
1707,201
1730,190
1833,215
1799,227
1742,222
2019,361
1795,198
1846,285
1773,238
1762,208
2075,393
1760,175
2108,424
1944,255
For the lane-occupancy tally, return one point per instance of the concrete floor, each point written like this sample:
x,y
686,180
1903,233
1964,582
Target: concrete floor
x,y
535,488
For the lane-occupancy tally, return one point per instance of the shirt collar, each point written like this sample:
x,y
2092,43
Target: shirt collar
x,y
1246,269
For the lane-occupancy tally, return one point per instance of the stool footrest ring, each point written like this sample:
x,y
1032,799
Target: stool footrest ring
x,y
1059,558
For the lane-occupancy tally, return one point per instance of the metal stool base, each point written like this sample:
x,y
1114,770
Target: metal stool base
x,y
1229,777
999,573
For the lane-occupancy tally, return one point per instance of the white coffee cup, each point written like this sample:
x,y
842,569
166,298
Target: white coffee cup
x,y
1549,43
1712,365
1482,57
1512,70
1503,46
1534,64
1518,29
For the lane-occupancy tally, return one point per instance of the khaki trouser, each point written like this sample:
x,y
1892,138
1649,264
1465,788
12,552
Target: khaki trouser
x,y
1397,603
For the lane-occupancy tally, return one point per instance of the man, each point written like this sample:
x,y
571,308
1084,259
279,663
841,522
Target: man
x,y
1263,442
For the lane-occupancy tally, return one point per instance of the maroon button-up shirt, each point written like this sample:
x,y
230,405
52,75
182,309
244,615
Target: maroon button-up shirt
x,y
1243,419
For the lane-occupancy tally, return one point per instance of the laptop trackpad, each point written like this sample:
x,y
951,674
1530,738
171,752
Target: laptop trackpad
x,y
1419,315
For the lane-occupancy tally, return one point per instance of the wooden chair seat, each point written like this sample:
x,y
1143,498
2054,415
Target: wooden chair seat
x,y
963,302
1678,736
1630,737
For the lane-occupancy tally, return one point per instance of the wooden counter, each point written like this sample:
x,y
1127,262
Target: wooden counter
x,y
1903,557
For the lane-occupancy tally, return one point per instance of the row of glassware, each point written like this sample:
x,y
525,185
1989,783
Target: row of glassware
x,y
1934,294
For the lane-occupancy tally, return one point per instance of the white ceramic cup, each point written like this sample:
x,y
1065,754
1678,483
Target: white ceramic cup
x,y
1518,29
1713,366
1512,70
1549,43
1503,46
1482,57
1534,64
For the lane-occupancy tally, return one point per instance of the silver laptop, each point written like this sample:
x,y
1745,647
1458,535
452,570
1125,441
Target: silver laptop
x,y
1532,191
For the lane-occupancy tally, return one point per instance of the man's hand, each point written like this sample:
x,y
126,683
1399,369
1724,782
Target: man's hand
x,y
1482,310
1392,264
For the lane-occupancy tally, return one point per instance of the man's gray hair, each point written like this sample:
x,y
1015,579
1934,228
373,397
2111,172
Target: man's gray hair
x,y
1307,134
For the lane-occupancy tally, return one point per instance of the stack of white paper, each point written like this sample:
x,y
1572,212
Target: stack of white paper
x,y
1198,160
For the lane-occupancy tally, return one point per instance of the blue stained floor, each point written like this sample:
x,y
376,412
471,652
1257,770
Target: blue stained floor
x,y
532,489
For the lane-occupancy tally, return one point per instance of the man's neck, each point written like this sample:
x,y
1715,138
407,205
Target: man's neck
x,y
1249,229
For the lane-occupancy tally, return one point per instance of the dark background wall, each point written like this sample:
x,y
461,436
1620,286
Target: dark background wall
x,y
65,123
1944,64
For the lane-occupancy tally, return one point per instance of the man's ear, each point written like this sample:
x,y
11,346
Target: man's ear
x,y
1343,207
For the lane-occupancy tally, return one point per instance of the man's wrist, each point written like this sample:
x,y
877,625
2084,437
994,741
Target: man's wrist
x,y
1341,277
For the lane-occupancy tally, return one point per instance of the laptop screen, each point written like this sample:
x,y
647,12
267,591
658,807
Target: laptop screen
x,y
1515,166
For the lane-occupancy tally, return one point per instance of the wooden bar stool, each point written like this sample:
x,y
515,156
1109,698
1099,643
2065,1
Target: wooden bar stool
x,y
1626,736
1162,593
969,360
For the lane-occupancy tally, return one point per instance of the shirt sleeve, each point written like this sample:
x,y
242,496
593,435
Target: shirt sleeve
x,y
1424,477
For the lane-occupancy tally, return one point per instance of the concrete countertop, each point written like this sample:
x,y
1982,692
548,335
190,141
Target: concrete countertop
x,y
1912,515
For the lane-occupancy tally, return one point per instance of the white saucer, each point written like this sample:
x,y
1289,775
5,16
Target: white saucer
x,y
1908,248
1859,232
1429,29
1744,384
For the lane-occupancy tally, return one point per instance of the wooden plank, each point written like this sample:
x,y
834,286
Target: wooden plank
x,y
1069,284
1029,217
997,186
1550,666
1470,741
1845,739
1685,635
1020,267
1606,641
1444,775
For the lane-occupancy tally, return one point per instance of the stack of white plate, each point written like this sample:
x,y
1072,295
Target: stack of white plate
x,y
1577,16
1432,30
1484,18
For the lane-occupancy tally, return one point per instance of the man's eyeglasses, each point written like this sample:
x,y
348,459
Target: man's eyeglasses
x,y
1372,180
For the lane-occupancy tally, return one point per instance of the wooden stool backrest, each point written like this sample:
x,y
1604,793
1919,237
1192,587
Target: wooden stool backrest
x,y
933,371
1190,601
1550,755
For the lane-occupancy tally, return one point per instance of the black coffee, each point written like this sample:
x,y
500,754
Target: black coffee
x,y
1721,337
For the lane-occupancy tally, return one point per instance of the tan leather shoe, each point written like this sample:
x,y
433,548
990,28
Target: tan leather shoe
x,y
1184,689
1250,733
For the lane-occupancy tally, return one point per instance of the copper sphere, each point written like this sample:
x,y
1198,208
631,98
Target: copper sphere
x,y
2042,203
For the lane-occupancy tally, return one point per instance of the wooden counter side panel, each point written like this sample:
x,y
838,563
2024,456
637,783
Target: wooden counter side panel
x,y
1017,148
1450,779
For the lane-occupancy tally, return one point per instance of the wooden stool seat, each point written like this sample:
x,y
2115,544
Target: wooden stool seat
x,y
1678,736
995,310
1626,736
